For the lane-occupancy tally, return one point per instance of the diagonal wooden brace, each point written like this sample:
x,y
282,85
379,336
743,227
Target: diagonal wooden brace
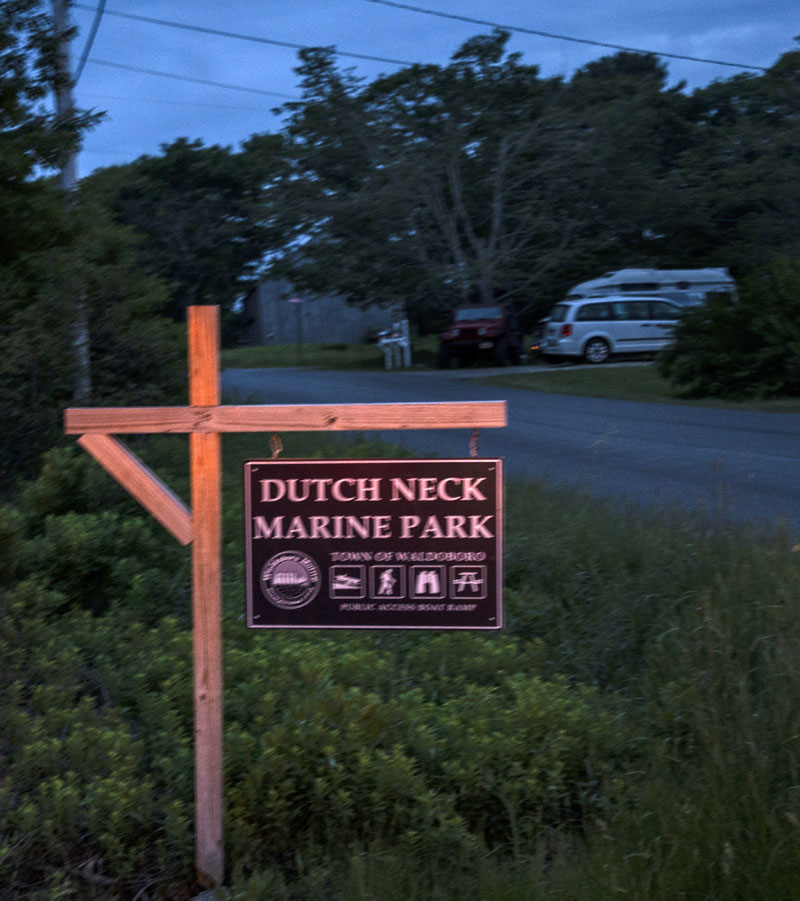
x,y
142,483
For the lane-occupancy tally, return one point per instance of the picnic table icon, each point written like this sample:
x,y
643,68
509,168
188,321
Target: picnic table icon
x,y
468,579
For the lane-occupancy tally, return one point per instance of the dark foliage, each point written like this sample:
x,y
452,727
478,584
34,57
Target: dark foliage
x,y
203,214
482,180
748,347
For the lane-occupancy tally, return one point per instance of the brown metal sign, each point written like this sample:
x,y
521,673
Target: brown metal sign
x,y
374,544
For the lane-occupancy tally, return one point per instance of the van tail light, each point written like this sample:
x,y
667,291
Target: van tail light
x,y
566,330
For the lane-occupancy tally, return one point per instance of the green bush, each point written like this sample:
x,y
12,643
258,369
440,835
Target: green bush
x,y
634,729
431,759
81,792
429,744
78,533
744,348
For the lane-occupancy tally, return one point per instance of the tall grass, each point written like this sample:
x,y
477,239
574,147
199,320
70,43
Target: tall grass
x,y
634,732
696,627
691,630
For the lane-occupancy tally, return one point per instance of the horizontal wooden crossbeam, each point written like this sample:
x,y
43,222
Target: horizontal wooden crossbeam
x,y
286,418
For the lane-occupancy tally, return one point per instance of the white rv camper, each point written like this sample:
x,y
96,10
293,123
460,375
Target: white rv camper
x,y
688,287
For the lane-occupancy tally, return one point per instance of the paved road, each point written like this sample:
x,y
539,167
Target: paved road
x,y
728,463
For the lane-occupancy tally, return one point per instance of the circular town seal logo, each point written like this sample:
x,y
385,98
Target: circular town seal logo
x,y
290,580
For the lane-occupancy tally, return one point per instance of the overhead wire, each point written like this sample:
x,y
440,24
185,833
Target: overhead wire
x,y
215,84
168,23
200,29
100,10
160,101
559,37
90,40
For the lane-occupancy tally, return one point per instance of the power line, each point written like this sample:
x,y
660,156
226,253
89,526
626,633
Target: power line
x,y
243,37
159,101
559,37
90,40
390,3
215,84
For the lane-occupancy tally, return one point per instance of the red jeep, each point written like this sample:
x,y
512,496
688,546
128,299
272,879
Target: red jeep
x,y
488,331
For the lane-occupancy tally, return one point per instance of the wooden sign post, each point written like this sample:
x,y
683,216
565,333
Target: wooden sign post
x,y
205,420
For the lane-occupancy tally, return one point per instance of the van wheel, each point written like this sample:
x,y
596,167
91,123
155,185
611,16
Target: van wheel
x,y
596,351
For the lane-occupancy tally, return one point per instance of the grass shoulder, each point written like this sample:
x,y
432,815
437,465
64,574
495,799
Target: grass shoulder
x,y
636,382
323,355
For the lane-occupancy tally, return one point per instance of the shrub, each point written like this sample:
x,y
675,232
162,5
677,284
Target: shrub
x,y
77,532
81,792
457,759
744,348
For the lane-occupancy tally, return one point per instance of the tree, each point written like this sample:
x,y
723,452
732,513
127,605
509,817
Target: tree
x,y
733,196
33,224
480,180
136,353
47,248
203,214
632,129
483,142
31,137
431,186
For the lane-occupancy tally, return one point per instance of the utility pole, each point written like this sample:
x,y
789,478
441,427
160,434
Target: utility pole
x,y
65,108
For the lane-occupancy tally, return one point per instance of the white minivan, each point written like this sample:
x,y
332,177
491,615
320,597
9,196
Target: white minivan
x,y
594,328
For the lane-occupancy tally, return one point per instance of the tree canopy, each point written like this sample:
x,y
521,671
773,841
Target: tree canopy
x,y
203,214
482,180
476,180
429,186
52,253
31,136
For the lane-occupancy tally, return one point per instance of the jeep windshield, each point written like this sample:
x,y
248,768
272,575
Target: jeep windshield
x,y
471,314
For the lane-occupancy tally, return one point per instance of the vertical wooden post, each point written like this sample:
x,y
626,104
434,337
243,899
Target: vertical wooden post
x,y
203,524
205,455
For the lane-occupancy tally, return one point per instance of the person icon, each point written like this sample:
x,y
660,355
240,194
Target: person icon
x,y
387,583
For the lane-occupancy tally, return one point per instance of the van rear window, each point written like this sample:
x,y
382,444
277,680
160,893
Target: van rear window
x,y
659,309
559,312
631,309
594,312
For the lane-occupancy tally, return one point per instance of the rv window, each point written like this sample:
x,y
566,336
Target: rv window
x,y
640,286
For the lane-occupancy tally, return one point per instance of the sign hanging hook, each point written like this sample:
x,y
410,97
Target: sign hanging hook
x,y
275,445
474,443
